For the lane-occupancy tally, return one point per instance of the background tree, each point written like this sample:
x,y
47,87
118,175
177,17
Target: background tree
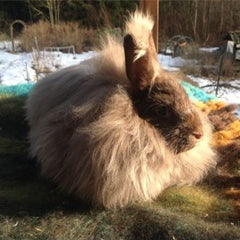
x,y
48,9
206,21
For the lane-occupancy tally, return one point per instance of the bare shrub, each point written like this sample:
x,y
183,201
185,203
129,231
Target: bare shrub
x,y
229,69
191,69
44,62
207,22
208,64
4,36
62,34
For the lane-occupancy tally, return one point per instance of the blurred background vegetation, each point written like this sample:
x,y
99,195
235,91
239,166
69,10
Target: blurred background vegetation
x,y
207,22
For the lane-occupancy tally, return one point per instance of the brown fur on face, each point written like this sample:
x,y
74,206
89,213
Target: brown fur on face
x,y
115,129
167,107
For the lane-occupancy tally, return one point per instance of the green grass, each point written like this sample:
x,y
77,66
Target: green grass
x,y
198,200
32,208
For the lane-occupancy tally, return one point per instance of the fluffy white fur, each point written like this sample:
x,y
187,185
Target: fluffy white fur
x,y
140,26
89,139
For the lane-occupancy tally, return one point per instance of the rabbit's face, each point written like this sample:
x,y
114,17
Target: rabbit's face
x,y
167,107
158,98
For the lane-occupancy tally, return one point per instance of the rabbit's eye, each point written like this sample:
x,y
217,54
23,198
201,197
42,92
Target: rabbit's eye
x,y
163,111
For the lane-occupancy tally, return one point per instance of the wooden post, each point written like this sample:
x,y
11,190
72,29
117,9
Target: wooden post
x,y
152,7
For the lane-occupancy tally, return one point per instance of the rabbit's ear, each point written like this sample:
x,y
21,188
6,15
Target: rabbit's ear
x,y
141,63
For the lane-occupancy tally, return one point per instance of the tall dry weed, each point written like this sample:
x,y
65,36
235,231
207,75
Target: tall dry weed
x,y
63,34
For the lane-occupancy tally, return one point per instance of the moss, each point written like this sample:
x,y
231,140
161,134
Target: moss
x,y
197,200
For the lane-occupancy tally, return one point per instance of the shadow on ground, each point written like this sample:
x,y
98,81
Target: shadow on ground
x,y
22,190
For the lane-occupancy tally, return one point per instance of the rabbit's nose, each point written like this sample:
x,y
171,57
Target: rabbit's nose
x,y
197,135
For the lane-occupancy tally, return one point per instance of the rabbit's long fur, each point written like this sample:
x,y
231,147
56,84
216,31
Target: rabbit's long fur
x,y
90,140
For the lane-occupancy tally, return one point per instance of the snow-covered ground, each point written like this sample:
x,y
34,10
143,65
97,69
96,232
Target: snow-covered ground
x,y
19,68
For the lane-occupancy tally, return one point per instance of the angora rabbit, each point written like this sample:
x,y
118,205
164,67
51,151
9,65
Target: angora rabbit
x,y
117,129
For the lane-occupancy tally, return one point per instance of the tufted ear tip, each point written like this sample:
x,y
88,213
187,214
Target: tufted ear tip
x,y
141,59
141,63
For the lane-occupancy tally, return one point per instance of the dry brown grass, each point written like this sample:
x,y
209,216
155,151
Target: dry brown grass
x,y
208,65
4,36
63,34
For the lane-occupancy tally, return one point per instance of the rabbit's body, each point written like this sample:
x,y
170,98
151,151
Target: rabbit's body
x,y
95,135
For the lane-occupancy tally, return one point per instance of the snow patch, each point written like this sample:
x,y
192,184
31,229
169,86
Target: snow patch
x,y
18,68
